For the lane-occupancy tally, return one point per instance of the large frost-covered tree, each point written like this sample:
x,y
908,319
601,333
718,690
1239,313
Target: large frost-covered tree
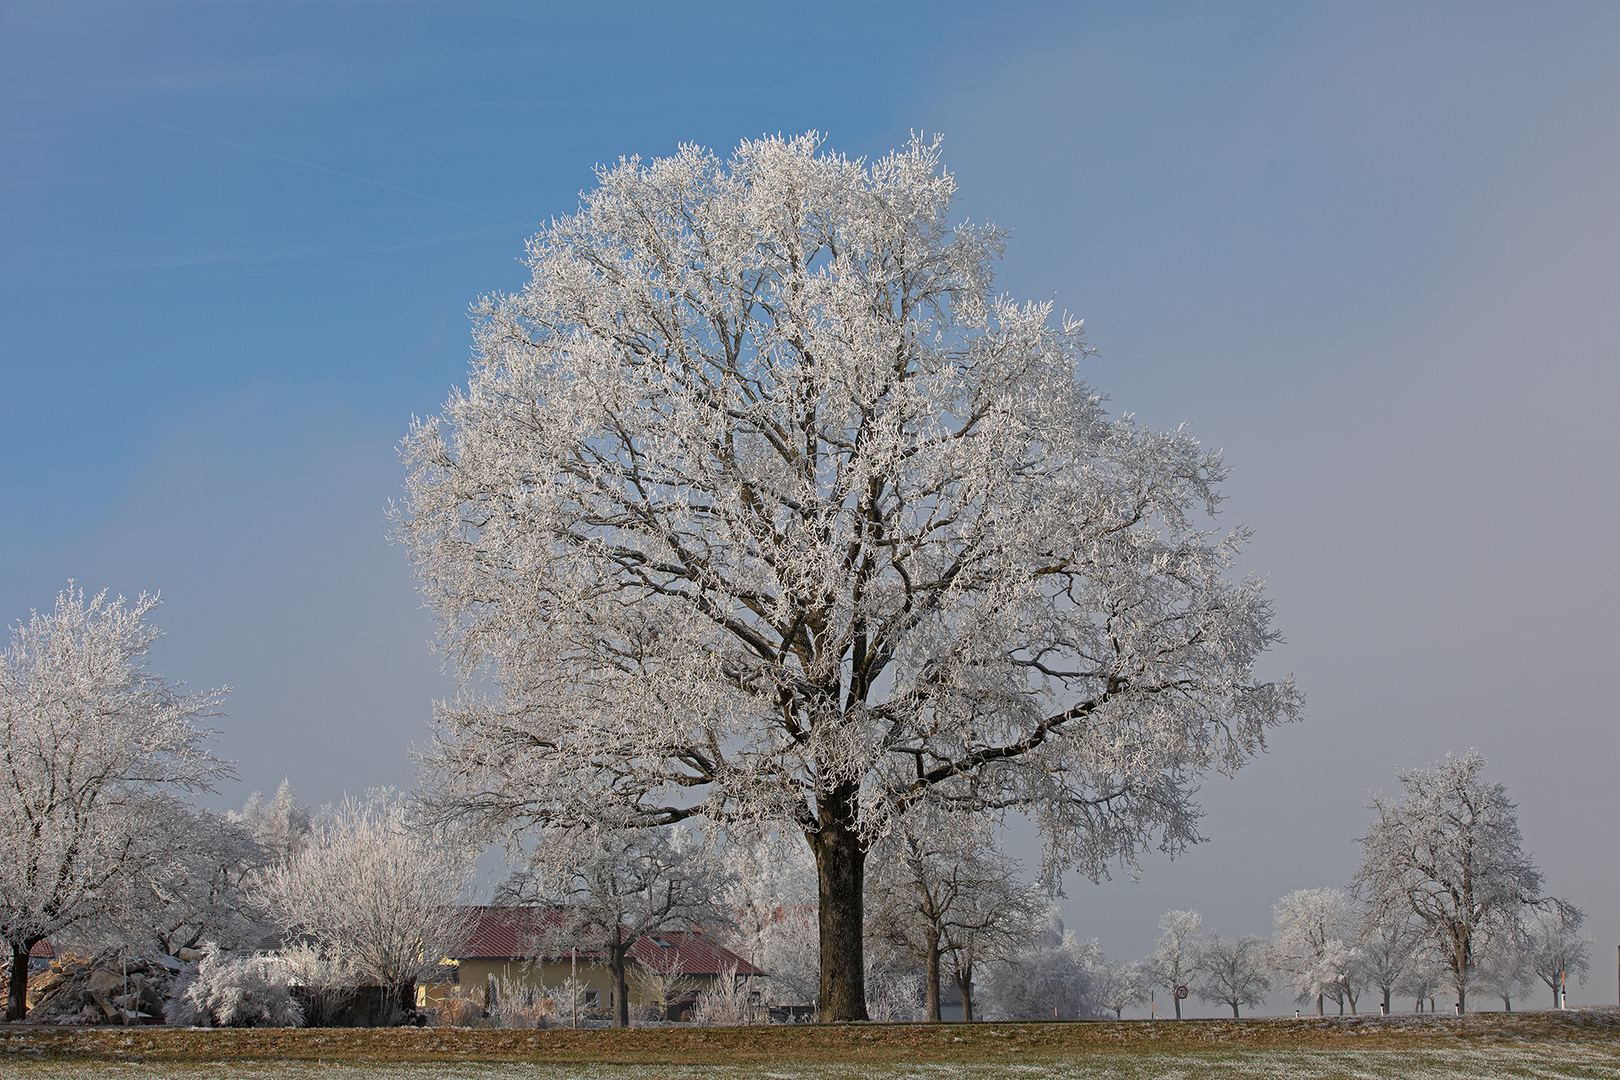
x,y
761,505
1450,852
95,747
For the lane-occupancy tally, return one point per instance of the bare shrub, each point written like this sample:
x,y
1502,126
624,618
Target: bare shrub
x,y
459,1010
517,1004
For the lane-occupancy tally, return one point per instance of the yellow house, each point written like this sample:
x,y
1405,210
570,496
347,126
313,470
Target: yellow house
x,y
498,957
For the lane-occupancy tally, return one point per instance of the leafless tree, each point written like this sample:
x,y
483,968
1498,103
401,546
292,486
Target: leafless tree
x,y
613,887
1235,973
945,893
1558,950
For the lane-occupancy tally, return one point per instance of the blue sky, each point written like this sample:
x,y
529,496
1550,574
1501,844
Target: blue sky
x,y
1371,250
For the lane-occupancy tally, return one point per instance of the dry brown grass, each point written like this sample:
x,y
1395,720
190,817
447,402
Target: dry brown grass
x,y
1597,1031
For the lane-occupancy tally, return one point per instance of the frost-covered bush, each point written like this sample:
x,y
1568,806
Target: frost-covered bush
x,y
724,1003
228,991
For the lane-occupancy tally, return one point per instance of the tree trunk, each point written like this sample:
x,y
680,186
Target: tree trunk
x,y
933,976
840,877
1318,1004
1235,1015
964,983
407,996
17,990
616,964
1175,997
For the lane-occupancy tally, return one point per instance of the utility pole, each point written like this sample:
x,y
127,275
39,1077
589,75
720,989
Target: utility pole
x,y
573,983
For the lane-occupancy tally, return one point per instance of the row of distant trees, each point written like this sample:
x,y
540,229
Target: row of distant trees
x,y
1327,948
1444,898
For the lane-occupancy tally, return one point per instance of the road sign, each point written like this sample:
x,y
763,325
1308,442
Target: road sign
x,y
1181,991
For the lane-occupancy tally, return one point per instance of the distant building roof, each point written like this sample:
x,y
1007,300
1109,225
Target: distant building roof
x,y
511,933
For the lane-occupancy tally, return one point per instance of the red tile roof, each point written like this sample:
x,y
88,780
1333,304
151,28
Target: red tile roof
x,y
510,933
699,953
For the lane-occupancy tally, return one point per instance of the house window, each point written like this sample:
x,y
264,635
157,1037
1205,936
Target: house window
x,y
591,998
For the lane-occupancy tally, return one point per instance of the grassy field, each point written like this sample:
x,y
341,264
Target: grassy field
x,y
1583,1044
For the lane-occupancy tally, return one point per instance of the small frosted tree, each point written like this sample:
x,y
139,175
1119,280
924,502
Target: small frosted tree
x,y
1117,985
613,887
376,890
1505,964
762,506
1388,950
995,922
1449,850
1234,973
1044,983
1314,943
943,889
1175,954
96,747
280,825
1558,950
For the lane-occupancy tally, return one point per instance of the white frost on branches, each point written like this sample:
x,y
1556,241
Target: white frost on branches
x,y
374,890
760,504
1314,941
1176,953
96,746
1450,852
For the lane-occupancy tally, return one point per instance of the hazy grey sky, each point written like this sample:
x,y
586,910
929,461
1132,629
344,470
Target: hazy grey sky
x,y
1373,251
